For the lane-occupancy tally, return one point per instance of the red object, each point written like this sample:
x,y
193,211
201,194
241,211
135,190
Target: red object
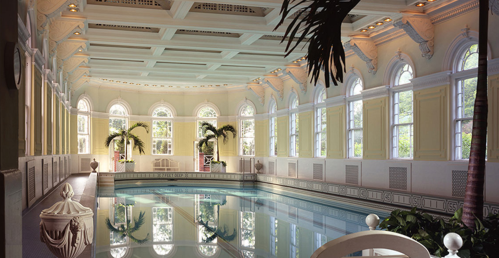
x,y
201,162
116,158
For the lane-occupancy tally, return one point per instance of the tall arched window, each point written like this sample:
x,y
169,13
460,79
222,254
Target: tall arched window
x,y
247,130
205,114
294,126
204,210
465,93
83,126
162,230
162,131
120,213
247,229
354,119
272,128
402,113
118,120
320,123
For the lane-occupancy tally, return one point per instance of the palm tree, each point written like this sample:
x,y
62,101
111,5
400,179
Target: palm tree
x,y
319,23
128,230
125,135
473,198
215,133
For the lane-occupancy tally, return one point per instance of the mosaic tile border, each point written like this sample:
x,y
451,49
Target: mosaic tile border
x,y
182,175
406,199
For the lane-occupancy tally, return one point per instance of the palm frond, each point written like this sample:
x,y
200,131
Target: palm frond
x,y
222,131
205,140
139,124
111,137
138,222
319,23
111,227
139,241
137,143
209,127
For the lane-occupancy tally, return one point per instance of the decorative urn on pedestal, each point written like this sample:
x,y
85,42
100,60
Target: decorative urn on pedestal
x,y
94,164
258,166
67,227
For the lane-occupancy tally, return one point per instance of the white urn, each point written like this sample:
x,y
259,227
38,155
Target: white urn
x,y
67,227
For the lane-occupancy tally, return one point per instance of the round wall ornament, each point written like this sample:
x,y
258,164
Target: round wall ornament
x,y
13,65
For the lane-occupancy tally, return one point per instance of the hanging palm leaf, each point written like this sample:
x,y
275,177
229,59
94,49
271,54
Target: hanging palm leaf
x,y
319,23
126,231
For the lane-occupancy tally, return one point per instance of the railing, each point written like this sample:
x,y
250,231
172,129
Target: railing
x,y
207,159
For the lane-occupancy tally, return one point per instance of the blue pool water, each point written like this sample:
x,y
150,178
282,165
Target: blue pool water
x,y
220,222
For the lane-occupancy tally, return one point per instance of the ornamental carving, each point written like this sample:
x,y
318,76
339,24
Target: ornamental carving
x,y
74,62
49,9
62,29
67,49
366,50
258,90
276,84
420,29
494,6
77,74
299,76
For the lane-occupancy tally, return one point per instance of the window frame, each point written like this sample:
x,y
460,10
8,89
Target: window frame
x,y
169,119
86,114
273,128
241,119
319,121
171,223
199,129
294,126
351,100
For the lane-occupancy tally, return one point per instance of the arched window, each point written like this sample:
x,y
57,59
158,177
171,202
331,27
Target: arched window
x,y
83,126
320,123
162,230
118,120
247,130
120,213
272,128
294,126
354,119
247,229
402,113
162,131
206,114
205,211
464,102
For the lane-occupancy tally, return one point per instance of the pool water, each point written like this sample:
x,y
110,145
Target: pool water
x,y
178,221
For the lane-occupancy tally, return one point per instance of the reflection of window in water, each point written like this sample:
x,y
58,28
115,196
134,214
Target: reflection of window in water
x,y
273,235
205,211
248,232
162,228
120,213
319,240
295,241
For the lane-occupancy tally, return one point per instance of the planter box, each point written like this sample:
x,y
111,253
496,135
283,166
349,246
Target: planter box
x,y
217,168
129,167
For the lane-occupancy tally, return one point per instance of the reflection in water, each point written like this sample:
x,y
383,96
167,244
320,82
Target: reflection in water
x,y
218,222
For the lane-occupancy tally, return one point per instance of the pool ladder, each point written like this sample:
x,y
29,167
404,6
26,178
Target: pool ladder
x,y
243,167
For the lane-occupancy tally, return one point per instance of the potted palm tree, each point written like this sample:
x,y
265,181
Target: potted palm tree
x,y
211,132
124,136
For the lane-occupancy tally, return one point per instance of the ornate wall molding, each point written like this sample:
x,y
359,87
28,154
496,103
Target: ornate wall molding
x,y
67,49
77,84
259,91
72,63
60,30
377,92
420,29
276,84
450,13
432,80
76,75
366,50
299,76
336,101
49,9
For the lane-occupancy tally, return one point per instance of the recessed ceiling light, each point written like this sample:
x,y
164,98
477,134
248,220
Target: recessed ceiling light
x,y
420,4
379,23
387,19
431,0
363,30
372,27
73,10
72,5
77,33
79,50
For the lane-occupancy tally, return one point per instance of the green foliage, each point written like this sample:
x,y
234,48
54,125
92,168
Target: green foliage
x,y
218,162
126,229
480,241
126,161
211,132
125,135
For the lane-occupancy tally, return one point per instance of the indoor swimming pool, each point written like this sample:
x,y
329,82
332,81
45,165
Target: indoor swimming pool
x,y
175,221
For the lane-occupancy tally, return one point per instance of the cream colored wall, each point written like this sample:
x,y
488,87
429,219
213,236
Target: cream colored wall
x,y
336,148
98,134
305,134
283,136
261,141
375,128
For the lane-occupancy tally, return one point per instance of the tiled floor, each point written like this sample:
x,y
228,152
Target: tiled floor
x,y
32,246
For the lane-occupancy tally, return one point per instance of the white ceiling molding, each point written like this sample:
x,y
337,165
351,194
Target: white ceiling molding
x,y
276,84
420,28
430,81
336,101
259,91
299,76
377,92
366,50
494,6
451,10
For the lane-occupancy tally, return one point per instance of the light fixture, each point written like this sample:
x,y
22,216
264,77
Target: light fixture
x,y
363,30
371,27
72,6
77,33
388,19
420,4
431,0
73,10
379,23
79,50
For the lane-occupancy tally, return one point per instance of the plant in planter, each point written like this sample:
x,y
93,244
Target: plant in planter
x,y
124,136
211,132
480,241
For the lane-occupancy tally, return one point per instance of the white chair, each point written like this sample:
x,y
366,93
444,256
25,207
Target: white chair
x,y
165,165
374,239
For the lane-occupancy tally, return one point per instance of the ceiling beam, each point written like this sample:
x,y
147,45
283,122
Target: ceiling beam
x,y
180,9
166,80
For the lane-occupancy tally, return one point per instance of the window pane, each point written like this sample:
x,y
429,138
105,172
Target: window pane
x,y
247,111
162,224
405,141
405,107
469,95
323,144
248,128
466,130
82,124
162,146
356,87
82,106
162,112
357,114
357,141
162,129
248,146
207,112
116,124
470,58
117,110
405,75
162,249
83,144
